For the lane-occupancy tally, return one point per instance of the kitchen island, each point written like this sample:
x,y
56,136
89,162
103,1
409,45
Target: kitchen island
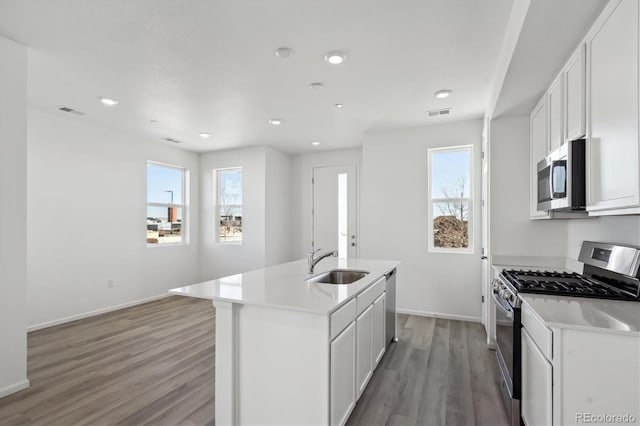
x,y
290,351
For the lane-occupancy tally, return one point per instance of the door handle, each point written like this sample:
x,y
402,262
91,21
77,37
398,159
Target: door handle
x,y
483,257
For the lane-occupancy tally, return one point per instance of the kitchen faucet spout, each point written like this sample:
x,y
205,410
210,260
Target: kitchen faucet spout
x,y
313,261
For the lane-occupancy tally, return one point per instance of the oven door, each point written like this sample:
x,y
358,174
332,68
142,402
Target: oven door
x,y
505,341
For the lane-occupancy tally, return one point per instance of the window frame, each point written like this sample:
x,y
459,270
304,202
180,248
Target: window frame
x,y
183,205
431,248
217,205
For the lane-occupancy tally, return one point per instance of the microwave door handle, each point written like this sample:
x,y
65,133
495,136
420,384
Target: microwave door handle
x,y
551,181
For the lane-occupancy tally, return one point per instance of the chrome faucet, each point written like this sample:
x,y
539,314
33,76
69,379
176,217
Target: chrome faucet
x,y
313,261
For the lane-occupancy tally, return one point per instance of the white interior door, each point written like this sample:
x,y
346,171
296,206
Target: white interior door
x,y
487,311
335,209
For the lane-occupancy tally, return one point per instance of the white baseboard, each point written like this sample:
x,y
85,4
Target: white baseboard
x,y
439,315
14,388
93,313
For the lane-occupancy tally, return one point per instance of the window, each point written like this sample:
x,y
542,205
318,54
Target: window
x,y
229,204
450,199
165,204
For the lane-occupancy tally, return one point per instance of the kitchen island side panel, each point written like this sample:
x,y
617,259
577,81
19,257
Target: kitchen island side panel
x,y
282,367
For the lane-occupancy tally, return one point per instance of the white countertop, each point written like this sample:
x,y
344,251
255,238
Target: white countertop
x,y
601,315
284,286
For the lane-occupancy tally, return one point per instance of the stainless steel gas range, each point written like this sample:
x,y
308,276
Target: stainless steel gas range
x,y
610,272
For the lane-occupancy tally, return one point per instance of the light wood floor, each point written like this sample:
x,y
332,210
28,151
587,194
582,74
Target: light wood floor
x,y
154,364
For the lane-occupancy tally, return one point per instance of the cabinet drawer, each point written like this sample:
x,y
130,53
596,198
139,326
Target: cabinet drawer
x,y
368,296
540,333
341,318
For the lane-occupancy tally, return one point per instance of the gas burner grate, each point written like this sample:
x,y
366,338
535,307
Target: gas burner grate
x,y
562,284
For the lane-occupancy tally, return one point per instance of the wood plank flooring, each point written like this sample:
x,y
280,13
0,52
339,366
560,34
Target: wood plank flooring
x,y
154,364
148,364
440,372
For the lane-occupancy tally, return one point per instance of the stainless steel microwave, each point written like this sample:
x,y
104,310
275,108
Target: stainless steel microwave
x,y
561,178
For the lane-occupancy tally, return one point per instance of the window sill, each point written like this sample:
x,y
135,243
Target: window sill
x,y
166,245
450,251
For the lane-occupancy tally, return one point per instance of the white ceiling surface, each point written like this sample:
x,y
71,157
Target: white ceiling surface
x,y
203,65
550,33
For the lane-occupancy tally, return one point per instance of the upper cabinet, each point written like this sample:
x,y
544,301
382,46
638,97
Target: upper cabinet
x,y
539,145
613,185
555,104
575,84
595,96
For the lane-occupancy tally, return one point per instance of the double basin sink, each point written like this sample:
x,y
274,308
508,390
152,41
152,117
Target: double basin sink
x,y
338,276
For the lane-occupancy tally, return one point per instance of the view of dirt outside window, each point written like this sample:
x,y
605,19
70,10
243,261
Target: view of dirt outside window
x,y
229,204
450,199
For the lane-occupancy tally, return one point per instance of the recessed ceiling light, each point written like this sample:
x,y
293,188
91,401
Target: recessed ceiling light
x,y
276,121
339,105
335,57
204,135
284,52
316,143
316,86
109,101
441,94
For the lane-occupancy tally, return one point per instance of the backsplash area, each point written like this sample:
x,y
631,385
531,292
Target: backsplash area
x,y
616,229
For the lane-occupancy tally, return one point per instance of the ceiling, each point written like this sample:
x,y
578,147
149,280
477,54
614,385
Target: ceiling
x,y
209,66
550,33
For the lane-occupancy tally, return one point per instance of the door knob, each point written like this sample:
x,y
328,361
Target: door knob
x,y
353,244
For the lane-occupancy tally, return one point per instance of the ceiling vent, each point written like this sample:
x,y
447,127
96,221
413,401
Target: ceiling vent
x,y
437,112
70,110
172,140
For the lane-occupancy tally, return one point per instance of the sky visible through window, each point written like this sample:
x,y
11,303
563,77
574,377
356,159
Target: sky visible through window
x,y
447,168
231,183
162,183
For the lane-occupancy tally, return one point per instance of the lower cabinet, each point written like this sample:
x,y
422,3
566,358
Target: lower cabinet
x,y
379,337
364,349
359,344
537,374
343,375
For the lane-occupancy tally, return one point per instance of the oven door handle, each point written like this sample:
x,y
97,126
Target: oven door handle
x,y
504,306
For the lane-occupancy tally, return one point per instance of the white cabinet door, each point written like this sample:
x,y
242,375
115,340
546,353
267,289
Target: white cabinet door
x,y
612,93
536,384
575,96
538,150
364,352
555,103
378,330
343,375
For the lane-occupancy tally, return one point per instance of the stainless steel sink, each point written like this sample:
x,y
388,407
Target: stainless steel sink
x,y
338,276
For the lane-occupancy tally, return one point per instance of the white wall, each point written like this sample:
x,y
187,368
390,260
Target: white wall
x,y
612,229
512,232
87,215
394,219
301,193
13,204
278,207
266,208
219,260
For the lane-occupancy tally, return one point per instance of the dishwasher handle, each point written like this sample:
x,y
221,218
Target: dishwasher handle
x,y
390,273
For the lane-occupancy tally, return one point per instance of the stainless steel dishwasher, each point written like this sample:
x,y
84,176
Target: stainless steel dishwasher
x,y
391,306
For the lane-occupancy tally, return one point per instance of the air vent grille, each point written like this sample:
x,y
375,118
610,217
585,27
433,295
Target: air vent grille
x,y
70,110
437,112
172,140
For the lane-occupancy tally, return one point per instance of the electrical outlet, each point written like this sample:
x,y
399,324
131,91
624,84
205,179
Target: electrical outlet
x,y
110,284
